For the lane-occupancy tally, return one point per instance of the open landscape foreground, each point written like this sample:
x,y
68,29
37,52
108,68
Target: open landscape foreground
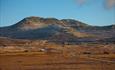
x,y
53,61
37,43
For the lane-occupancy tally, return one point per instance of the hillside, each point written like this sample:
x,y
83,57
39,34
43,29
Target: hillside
x,y
52,29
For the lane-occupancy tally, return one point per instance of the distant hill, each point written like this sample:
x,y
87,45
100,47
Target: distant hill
x,y
52,29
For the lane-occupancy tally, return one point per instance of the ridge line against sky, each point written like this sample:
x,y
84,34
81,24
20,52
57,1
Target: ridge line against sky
x,y
92,12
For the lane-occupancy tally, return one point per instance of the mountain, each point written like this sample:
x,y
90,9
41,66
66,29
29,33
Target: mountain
x,y
52,29
108,40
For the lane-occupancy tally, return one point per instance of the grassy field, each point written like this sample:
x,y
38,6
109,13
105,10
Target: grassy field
x,y
48,61
56,57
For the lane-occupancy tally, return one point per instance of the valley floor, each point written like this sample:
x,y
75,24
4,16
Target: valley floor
x,y
48,61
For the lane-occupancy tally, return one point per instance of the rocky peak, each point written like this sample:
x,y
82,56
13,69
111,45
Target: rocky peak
x,y
29,23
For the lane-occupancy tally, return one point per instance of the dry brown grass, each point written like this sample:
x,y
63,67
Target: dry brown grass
x,y
58,57
44,61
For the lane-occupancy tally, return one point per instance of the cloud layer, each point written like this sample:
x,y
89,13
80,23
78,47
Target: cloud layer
x,y
107,3
110,3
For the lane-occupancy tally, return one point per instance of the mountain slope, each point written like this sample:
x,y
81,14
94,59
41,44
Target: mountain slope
x,y
56,30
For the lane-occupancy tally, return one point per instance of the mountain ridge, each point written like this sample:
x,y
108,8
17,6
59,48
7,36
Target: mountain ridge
x,y
52,28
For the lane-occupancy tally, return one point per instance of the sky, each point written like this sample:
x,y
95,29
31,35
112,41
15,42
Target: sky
x,y
92,12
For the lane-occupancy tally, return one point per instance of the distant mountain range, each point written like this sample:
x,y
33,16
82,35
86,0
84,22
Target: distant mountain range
x,y
54,30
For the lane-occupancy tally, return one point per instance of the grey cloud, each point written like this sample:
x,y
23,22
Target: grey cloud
x,y
81,2
108,3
